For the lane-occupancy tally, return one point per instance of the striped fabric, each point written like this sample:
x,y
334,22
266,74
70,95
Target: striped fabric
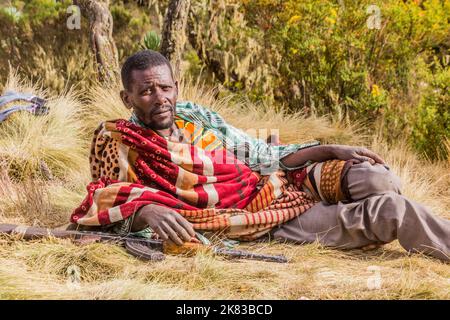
x,y
133,167
323,181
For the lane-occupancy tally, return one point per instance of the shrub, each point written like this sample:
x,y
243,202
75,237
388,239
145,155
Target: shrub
x,y
322,57
432,122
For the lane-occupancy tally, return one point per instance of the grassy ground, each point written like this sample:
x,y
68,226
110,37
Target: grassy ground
x,y
43,175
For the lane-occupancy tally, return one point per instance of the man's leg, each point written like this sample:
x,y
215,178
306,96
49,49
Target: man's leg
x,y
380,214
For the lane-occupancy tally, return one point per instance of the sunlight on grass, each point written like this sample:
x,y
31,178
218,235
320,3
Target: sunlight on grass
x,y
39,269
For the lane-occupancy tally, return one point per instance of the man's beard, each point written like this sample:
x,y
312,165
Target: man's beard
x,y
156,124
161,125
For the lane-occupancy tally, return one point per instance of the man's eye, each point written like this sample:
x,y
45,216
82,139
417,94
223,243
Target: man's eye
x,y
166,88
147,91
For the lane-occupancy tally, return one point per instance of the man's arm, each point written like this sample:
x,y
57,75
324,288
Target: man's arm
x,y
328,152
290,156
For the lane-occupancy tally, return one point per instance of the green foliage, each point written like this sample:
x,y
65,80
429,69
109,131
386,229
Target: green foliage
x,y
152,41
130,23
195,65
335,59
41,46
322,57
432,122
43,10
315,56
36,12
121,16
12,13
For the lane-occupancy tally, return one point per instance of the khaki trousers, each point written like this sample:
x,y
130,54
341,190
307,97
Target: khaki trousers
x,y
379,214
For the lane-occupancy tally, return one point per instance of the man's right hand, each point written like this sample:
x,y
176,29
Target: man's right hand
x,y
166,222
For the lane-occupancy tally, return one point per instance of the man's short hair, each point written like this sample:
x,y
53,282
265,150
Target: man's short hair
x,y
140,61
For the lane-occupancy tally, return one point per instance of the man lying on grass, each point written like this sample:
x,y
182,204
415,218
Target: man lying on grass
x,y
177,168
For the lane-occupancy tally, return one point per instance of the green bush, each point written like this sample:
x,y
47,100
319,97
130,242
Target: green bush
x,y
316,56
151,41
322,57
432,122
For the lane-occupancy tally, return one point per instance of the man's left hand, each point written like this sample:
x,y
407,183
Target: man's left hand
x,y
358,153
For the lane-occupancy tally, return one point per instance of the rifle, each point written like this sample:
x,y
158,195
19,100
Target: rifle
x,y
147,249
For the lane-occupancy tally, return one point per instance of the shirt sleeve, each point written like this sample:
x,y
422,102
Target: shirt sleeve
x,y
256,153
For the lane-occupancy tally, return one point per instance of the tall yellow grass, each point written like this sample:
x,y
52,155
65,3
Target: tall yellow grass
x,y
27,141
39,269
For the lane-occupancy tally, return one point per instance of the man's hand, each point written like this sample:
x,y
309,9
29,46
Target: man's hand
x,y
359,153
329,152
167,223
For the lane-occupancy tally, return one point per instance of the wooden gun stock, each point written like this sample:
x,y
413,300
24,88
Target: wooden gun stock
x,y
142,248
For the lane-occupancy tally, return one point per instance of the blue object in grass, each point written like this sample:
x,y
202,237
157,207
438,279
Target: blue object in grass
x,y
37,106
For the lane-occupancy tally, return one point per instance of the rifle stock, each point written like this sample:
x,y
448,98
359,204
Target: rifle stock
x,y
142,248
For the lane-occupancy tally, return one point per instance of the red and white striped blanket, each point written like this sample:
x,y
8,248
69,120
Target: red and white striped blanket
x,y
133,167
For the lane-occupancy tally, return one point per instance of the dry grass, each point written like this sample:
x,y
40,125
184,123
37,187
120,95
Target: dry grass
x,y
44,269
27,141
291,127
102,103
39,270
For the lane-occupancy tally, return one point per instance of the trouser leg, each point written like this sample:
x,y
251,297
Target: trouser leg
x,y
379,215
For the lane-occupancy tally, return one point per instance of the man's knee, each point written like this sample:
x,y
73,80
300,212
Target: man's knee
x,y
365,180
385,207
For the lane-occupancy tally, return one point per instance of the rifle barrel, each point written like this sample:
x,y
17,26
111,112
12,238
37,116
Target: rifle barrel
x,y
250,255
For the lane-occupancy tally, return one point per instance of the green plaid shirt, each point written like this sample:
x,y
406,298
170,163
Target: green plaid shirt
x,y
256,153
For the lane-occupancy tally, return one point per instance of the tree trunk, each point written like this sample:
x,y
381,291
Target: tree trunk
x,y
102,42
174,32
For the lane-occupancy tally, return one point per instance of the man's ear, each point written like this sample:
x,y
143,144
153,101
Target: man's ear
x,y
126,99
176,86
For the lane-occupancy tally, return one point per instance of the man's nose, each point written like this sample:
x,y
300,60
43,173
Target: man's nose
x,y
159,97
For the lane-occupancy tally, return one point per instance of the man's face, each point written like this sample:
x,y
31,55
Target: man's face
x,y
153,96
